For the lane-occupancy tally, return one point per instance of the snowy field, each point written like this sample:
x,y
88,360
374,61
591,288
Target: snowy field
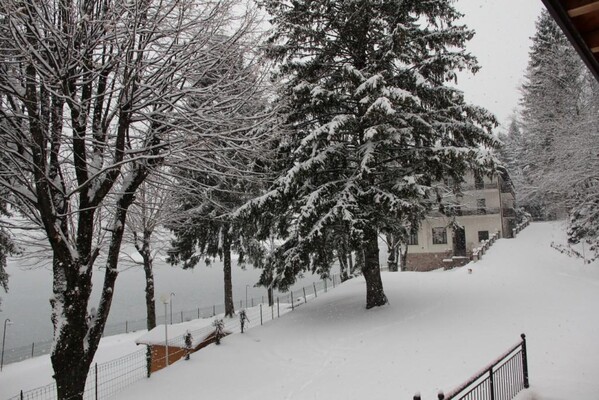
x,y
438,329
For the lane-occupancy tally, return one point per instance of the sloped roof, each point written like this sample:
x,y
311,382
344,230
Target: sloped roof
x,y
199,328
579,19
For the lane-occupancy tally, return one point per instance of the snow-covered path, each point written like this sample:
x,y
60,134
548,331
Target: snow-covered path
x,y
439,328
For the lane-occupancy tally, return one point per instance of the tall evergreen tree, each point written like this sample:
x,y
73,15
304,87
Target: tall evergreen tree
x,y
552,105
554,156
372,122
205,200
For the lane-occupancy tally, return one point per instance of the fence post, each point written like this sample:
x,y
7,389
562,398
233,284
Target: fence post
x,y
148,361
305,298
213,310
260,314
198,312
524,362
325,285
241,304
292,305
32,348
21,395
491,383
96,388
252,302
272,311
278,309
126,326
315,293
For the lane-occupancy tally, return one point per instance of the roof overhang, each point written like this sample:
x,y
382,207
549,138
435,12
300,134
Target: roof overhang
x,y
579,19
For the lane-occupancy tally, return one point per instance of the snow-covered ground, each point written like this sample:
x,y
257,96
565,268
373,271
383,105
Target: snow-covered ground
x,y
438,329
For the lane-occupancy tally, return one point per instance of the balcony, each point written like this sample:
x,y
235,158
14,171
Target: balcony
x,y
507,188
485,186
461,211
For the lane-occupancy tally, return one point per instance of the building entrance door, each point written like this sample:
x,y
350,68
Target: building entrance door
x,y
459,241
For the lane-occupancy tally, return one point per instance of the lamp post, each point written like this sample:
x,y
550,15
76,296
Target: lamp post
x,y
6,322
171,302
165,300
246,296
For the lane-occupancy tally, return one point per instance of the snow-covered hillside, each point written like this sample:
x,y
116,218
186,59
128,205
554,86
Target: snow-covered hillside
x,y
438,329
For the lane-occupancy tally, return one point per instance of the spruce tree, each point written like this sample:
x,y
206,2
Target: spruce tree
x,y
552,103
372,123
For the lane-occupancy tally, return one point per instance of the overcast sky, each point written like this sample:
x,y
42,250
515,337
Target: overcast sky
x,y
503,30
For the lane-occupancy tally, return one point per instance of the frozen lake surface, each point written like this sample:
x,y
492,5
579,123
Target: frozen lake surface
x,y
28,307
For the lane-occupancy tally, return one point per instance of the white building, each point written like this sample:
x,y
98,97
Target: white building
x,y
446,239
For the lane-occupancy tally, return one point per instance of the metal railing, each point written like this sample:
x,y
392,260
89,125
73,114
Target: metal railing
x,y
502,379
478,252
520,226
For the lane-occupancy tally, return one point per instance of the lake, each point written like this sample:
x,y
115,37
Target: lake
x,y
27,302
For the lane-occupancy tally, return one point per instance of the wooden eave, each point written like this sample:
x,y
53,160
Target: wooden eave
x,y
579,19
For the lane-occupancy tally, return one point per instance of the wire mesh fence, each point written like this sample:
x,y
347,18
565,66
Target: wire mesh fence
x,y
36,349
105,380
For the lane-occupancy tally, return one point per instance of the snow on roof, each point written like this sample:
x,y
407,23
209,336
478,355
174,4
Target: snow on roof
x,y
199,329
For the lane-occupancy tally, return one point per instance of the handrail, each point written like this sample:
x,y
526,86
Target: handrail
x,y
483,371
490,369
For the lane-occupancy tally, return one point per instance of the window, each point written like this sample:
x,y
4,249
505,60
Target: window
x,y
479,182
413,239
457,210
481,206
483,235
439,235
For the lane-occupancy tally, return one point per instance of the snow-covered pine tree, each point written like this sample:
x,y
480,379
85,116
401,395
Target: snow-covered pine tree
x,y
557,153
372,122
204,200
219,330
204,230
553,98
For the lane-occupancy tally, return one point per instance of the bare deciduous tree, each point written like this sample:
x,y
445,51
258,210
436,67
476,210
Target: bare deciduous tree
x,y
94,95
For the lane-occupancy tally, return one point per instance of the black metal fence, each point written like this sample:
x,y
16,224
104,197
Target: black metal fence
x,y
503,379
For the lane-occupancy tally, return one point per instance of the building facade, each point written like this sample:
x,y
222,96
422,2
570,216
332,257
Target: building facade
x,y
447,238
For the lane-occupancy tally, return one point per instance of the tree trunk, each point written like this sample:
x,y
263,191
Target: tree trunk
x,y
70,359
375,295
404,257
271,297
392,250
150,302
350,263
229,306
342,256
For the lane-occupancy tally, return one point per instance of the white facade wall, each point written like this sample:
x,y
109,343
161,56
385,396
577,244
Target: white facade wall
x,y
491,222
472,225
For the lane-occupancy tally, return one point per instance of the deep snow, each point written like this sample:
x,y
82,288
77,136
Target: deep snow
x,y
438,329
